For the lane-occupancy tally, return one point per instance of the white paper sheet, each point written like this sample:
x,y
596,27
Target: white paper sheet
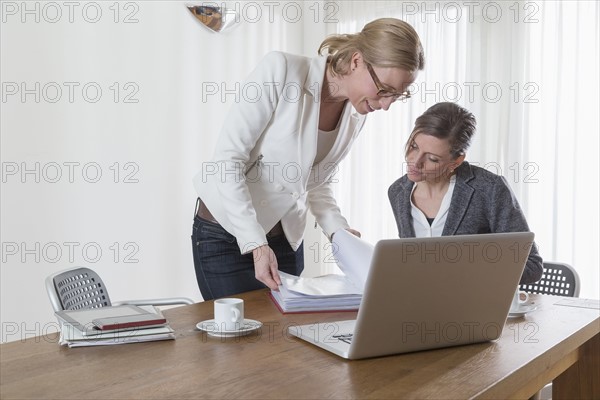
x,y
326,285
353,255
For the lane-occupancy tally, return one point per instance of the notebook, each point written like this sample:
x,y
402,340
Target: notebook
x,y
102,320
428,293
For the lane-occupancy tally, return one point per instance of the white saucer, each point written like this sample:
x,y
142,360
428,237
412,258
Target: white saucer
x,y
522,310
210,326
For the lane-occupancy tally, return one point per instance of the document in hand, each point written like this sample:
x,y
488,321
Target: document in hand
x,y
353,255
329,292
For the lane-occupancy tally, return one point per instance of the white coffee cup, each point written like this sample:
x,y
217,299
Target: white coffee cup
x,y
517,300
229,314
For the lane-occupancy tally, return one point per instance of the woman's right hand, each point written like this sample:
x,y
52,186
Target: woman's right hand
x,y
265,267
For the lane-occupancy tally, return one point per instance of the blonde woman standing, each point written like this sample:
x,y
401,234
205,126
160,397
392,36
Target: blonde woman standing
x,y
278,151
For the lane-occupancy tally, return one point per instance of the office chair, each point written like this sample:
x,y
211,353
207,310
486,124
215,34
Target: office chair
x,y
558,279
81,288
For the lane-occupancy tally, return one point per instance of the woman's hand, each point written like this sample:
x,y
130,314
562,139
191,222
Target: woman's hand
x,y
265,267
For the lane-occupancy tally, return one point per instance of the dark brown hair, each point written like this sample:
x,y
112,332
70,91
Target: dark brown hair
x,y
446,121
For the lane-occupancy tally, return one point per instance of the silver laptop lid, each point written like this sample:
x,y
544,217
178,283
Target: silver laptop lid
x,y
425,293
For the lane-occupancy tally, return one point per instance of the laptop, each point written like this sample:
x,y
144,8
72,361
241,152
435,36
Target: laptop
x,y
428,293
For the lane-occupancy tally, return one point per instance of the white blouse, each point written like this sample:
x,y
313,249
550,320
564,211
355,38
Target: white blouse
x,y
325,142
420,223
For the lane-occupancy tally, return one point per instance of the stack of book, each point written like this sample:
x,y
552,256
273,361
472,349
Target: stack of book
x,y
112,325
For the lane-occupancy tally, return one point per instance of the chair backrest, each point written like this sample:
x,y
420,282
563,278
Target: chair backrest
x,y
76,288
559,279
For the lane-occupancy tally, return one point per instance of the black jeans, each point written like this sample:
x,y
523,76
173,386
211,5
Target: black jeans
x,y
220,268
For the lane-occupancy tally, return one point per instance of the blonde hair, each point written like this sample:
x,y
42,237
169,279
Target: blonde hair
x,y
384,42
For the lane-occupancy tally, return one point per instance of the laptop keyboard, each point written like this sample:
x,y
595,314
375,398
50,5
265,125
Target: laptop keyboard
x,y
346,337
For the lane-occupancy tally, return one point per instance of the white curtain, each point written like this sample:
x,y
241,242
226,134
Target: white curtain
x,y
529,73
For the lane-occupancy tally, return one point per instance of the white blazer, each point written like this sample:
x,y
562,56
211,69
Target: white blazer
x,y
262,170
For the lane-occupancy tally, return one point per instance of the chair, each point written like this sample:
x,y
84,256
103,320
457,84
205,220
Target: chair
x,y
81,288
558,279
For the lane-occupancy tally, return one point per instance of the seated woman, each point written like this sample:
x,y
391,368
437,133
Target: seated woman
x,y
443,195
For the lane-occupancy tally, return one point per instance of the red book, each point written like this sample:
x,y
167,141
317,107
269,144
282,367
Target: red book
x,y
129,321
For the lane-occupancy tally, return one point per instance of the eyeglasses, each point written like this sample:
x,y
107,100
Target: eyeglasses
x,y
381,91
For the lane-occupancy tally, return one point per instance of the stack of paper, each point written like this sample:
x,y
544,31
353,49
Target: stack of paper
x,y
329,292
323,293
80,327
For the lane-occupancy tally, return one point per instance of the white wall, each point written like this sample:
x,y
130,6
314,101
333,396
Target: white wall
x,y
90,179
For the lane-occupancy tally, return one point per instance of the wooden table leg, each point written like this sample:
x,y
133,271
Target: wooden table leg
x,y
582,379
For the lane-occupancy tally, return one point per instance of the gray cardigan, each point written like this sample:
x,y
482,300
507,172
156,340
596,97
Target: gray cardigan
x,y
482,202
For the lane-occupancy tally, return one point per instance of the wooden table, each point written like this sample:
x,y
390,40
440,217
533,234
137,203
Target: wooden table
x,y
555,342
